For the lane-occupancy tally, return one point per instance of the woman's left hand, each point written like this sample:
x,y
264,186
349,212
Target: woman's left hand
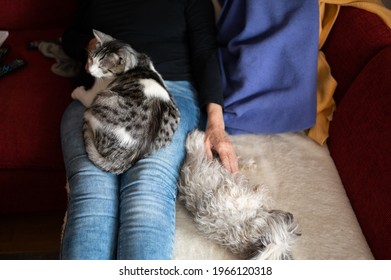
x,y
217,140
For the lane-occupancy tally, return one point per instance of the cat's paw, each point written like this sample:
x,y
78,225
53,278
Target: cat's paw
x,y
78,93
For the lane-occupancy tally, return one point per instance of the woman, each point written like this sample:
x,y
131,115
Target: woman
x,y
132,216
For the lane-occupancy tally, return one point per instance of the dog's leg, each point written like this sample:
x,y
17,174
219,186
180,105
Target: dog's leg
x,y
280,238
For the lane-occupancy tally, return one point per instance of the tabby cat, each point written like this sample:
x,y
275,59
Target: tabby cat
x,y
129,111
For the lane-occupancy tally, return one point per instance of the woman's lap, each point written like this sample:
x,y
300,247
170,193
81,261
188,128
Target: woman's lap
x,y
131,216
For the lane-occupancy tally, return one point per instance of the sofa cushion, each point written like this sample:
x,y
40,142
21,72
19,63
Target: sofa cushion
x,y
301,178
360,145
32,102
32,14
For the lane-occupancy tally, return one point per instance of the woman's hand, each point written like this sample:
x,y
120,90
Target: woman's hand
x,y
216,139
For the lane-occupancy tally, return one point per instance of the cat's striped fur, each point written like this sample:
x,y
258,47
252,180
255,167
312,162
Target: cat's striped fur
x,y
131,117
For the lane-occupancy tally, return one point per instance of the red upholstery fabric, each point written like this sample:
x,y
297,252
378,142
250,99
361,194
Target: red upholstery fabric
x,y
32,98
32,14
356,37
358,51
360,144
32,102
361,147
32,176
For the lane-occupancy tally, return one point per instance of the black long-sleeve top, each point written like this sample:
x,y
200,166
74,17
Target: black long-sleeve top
x,y
178,35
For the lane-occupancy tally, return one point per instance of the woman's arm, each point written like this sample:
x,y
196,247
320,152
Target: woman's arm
x,y
201,35
217,140
206,72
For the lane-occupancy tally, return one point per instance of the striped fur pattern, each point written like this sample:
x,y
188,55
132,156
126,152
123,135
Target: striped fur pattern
x,y
131,114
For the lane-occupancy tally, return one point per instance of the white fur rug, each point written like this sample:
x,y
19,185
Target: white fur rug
x,y
302,179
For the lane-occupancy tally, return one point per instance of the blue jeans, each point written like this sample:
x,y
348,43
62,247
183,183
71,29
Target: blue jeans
x,y
127,216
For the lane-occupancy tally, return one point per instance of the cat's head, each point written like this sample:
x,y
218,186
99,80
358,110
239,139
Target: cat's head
x,y
110,57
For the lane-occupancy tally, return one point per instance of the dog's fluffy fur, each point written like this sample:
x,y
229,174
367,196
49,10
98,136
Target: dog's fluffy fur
x,y
229,210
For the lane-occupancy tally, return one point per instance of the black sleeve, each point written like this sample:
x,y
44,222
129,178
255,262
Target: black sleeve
x,y
203,51
77,35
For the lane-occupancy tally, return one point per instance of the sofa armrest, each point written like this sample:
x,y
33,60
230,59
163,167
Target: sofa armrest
x,y
356,37
359,54
360,145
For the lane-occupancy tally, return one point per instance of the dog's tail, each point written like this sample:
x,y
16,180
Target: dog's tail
x,y
278,245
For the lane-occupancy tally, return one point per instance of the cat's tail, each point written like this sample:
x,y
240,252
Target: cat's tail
x,y
111,156
277,245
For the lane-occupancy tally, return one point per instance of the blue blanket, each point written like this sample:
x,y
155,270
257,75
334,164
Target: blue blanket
x,y
268,54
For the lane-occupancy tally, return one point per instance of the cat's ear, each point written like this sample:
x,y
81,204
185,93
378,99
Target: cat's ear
x,y
117,58
127,57
121,57
102,37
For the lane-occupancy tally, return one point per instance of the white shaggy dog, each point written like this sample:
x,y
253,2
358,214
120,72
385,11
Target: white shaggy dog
x,y
229,210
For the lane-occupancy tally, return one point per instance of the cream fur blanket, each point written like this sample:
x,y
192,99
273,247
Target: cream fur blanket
x,y
302,179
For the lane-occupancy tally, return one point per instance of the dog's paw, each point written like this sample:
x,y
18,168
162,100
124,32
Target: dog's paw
x,y
247,163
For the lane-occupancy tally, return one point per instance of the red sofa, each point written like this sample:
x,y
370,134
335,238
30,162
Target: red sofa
x,y
32,176
359,53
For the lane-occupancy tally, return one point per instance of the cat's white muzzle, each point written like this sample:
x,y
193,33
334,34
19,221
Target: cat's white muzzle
x,y
95,71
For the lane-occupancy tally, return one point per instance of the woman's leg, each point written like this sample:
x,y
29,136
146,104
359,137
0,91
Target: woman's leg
x,y
92,221
148,189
